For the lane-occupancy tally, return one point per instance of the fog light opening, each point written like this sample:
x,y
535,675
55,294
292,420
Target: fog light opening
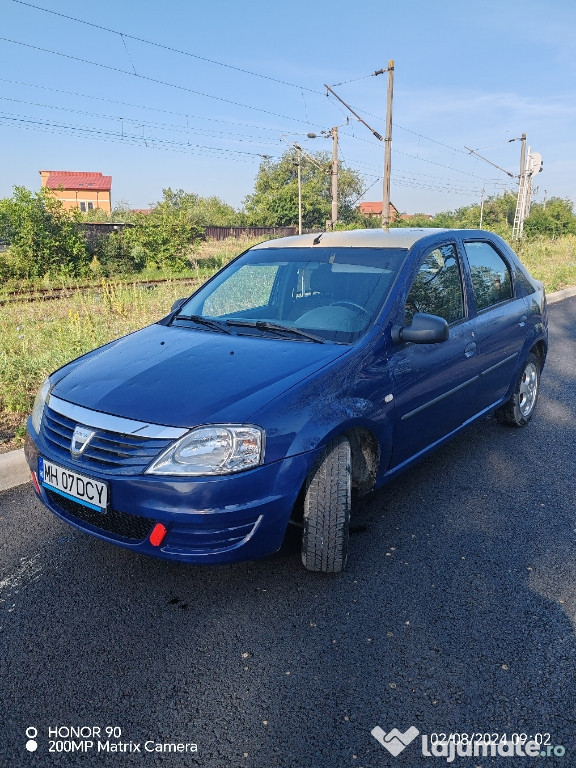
x,y
158,533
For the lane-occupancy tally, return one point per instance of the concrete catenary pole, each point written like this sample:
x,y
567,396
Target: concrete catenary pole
x,y
522,157
334,133
388,148
299,150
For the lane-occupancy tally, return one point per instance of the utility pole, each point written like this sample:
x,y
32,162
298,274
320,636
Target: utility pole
x,y
520,213
522,155
298,149
530,164
299,153
334,133
388,149
387,139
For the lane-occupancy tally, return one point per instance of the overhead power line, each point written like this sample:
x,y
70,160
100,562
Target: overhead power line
x,y
185,146
166,47
188,116
408,130
147,141
126,35
92,97
148,78
150,124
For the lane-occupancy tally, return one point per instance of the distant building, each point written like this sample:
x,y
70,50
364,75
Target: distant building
x,y
409,216
375,209
79,190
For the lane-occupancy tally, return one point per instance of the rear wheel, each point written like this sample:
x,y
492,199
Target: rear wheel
x,y
519,409
327,503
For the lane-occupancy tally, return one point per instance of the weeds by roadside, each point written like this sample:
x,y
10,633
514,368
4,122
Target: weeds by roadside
x,y
552,260
38,337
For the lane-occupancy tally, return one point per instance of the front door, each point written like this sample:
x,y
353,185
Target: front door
x,y
434,384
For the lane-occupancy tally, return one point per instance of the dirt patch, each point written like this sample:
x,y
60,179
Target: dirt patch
x,y
11,429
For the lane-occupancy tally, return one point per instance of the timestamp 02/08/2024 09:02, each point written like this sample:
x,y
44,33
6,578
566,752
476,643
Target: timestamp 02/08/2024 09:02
x,y
474,744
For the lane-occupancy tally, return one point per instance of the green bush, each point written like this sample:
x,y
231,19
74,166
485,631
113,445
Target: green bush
x,y
116,255
42,237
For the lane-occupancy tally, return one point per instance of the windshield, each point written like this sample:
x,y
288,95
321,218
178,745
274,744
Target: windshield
x,y
305,294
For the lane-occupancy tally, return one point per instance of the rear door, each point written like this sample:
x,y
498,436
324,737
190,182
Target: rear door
x,y
434,384
501,323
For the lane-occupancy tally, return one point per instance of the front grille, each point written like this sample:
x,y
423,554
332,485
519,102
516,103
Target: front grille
x,y
121,524
107,452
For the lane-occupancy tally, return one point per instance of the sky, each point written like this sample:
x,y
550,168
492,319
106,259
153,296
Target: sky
x,y
192,95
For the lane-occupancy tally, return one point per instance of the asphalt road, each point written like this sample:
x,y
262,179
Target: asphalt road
x,y
456,615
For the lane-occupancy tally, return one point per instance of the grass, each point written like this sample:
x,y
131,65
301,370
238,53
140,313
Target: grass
x,y
204,260
38,337
551,260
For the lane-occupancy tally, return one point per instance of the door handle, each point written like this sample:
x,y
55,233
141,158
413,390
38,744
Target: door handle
x,y
470,349
522,320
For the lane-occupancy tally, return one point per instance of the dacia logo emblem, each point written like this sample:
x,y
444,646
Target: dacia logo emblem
x,y
80,440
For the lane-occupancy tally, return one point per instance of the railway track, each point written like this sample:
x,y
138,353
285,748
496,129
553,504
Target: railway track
x,y
52,294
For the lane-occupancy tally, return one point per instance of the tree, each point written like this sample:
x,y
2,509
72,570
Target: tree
x,y
497,216
42,237
274,202
554,218
196,210
167,234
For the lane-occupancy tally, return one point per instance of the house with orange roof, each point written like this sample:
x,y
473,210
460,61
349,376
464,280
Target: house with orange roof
x,y
375,209
79,190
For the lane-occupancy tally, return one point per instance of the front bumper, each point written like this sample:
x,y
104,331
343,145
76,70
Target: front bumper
x,y
208,519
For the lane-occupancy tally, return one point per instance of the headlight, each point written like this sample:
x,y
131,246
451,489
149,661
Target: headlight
x,y
218,450
39,403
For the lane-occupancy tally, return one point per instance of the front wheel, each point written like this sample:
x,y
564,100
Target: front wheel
x,y
327,503
519,409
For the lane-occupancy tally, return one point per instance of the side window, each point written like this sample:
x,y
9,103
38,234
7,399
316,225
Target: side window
x,y
490,274
437,288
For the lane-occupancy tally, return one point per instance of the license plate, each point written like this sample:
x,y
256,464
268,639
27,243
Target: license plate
x,y
85,490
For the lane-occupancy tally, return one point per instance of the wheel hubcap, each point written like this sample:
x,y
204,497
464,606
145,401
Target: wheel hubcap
x,y
528,389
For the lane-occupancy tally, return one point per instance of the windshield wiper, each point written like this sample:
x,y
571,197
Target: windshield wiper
x,y
265,325
208,322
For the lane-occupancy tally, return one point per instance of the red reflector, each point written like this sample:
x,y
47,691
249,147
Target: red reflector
x,y
35,482
157,535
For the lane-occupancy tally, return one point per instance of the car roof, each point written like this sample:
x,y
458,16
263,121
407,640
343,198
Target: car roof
x,y
356,238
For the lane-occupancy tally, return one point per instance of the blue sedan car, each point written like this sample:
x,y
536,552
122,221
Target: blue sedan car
x,y
308,370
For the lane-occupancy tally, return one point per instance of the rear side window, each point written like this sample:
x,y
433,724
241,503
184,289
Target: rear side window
x,y
490,274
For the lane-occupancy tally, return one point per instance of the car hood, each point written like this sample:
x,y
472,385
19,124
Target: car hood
x,y
185,377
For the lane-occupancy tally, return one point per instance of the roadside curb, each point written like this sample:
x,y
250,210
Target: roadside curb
x,y
567,293
14,470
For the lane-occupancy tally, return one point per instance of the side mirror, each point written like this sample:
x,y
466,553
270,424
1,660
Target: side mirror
x,y
425,329
178,303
